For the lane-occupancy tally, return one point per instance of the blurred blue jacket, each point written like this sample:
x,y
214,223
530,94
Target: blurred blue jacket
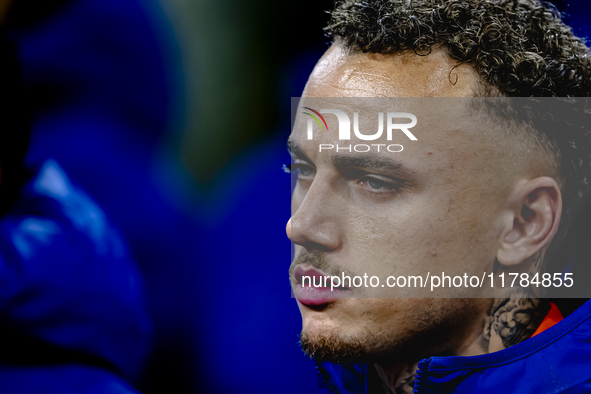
x,y
558,360
72,313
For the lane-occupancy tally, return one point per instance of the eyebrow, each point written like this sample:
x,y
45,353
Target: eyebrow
x,y
369,161
295,150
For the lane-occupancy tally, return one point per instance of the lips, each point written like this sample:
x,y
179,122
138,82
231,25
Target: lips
x,y
315,291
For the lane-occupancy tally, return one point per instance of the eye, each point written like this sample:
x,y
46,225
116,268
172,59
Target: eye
x,y
302,170
378,185
375,184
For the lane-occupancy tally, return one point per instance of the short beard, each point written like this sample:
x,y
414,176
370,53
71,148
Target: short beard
x,y
344,350
437,330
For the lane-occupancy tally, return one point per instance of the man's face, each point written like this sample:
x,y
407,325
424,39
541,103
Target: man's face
x,y
432,207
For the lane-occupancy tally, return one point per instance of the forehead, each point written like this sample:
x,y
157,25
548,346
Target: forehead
x,y
444,133
341,73
450,144
343,78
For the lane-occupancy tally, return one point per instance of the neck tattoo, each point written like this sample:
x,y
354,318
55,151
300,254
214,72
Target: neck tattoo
x,y
509,322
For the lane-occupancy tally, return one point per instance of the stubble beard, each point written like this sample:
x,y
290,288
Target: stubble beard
x,y
432,332
365,348
342,349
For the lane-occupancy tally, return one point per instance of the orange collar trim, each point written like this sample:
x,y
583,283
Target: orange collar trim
x,y
554,316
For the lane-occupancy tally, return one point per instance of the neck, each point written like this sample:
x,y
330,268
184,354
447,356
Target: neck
x,y
508,322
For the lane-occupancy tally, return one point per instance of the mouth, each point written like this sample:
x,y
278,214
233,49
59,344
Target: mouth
x,y
316,289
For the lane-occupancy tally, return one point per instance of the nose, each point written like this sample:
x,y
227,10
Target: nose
x,y
315,224
288,228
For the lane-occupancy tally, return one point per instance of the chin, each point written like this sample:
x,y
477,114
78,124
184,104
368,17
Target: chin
x,y
330,335
342,347
332,347
370,330
319,322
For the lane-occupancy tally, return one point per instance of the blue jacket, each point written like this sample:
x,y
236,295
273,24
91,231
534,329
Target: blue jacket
x,y
558,360
72,313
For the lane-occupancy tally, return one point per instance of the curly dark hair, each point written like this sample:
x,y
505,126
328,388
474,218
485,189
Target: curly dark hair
x,y
519,48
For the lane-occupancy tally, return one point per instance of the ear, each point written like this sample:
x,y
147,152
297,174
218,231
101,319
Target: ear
x,y
532,220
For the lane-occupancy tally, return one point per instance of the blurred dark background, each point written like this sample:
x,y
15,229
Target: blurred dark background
x,y
173,116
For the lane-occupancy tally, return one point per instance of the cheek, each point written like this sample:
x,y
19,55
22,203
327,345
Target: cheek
x,y
413,225
426,232
465,232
